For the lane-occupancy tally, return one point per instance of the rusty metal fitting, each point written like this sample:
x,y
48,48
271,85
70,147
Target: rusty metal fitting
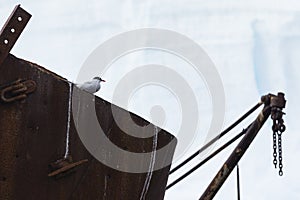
x,y
63,167
278,101
17,90
12,30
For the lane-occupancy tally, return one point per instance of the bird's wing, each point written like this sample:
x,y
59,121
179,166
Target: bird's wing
x,y
84,85
87,83
90,86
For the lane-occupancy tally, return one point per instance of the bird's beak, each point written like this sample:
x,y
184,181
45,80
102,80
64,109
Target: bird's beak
x,y
103,80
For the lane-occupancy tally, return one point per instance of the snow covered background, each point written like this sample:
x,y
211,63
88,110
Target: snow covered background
x,y
254,45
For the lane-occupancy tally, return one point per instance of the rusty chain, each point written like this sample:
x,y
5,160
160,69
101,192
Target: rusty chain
x,y
278,128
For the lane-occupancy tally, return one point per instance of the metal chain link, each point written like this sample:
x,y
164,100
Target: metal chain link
x,y
275,149
280,153
278,128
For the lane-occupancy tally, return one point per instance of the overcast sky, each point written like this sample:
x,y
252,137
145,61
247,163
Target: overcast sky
x,y
254,45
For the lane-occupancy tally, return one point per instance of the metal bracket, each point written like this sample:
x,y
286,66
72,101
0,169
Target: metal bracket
x,y
11,30
278,101
64,166
17,90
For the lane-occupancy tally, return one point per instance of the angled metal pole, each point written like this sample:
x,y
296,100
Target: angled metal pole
x,y
238,152
206,159
12,30
219,136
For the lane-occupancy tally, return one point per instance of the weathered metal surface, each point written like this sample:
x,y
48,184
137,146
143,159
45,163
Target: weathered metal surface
x,y
11,30
243,145
33,133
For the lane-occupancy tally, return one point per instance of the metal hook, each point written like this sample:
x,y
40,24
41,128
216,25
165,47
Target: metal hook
x,y
17,90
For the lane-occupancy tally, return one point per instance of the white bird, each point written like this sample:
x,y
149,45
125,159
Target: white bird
x,y
92,86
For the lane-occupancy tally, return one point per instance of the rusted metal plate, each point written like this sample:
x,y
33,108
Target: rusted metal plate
x,y
11,30
33,134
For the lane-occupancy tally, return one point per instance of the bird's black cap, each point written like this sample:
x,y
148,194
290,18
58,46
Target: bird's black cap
x,y
98,78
